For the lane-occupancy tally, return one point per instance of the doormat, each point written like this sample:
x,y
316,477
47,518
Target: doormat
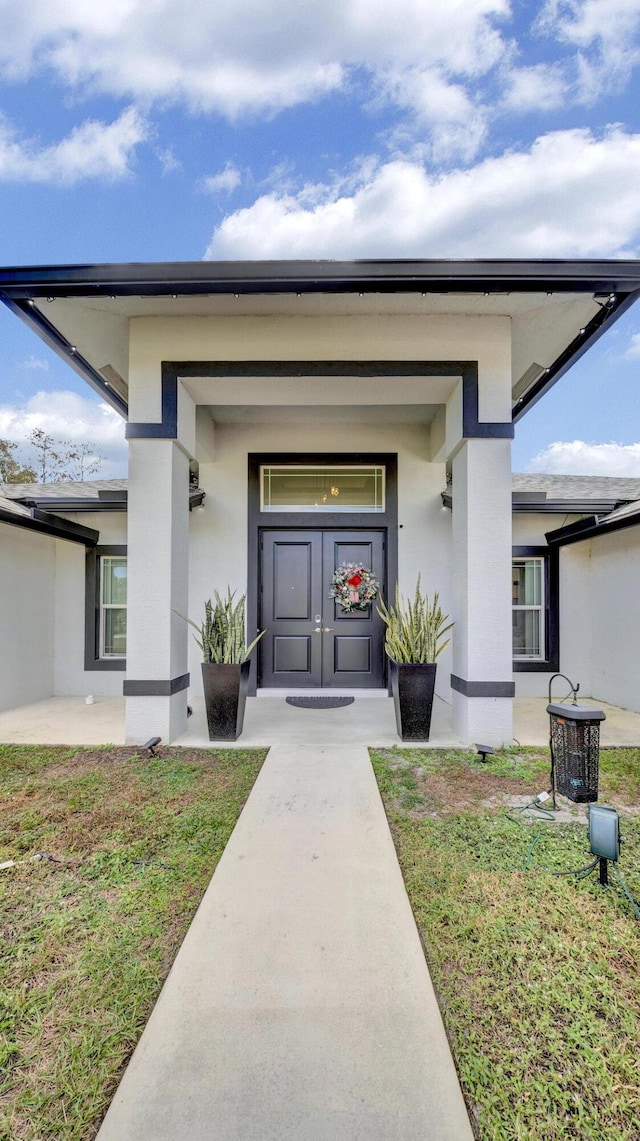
x,y
319,702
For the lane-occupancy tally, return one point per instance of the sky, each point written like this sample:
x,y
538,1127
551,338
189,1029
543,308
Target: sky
x,y
166,131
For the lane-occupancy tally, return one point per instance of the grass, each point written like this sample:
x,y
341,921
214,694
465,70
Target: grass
x,y
87,942
536,975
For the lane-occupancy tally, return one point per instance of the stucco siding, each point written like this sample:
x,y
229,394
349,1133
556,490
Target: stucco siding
x,y
615,617
27,582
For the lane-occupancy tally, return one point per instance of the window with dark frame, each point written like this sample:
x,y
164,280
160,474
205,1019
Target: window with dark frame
x,y
535,603
106,608
528,600
113,606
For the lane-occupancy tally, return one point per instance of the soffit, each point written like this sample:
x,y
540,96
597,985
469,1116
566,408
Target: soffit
x,y
542,325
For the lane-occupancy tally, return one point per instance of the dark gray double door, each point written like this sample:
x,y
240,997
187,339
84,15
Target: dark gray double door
x,y
310,640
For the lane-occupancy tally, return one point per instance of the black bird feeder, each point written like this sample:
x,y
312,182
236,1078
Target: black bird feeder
x,y
574,743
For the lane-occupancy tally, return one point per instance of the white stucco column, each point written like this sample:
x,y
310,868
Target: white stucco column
x,y
158,563
482,676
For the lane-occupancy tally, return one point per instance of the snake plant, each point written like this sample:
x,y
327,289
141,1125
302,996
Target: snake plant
x,y
221,637
415,629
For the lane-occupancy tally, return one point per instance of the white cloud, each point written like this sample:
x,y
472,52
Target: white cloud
x,y
455,125
225,180
633,351
575,457
92,150
242,57
570,195
605,36
167,160
611,24
543,87
34,362
69,416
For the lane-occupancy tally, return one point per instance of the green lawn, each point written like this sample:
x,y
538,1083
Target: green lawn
x,y
87,942
537,975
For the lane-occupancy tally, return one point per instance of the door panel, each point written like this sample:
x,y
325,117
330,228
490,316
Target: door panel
x,y
351,655
291,595
310,639
292,573
353,647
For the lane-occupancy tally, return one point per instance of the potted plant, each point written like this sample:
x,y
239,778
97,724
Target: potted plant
x,y
415,636
225,664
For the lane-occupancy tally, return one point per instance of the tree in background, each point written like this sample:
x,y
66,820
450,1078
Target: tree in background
x,y
81,460
54,460
48,457
11,471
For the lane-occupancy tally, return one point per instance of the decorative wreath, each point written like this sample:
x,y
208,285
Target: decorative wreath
x,y
354,586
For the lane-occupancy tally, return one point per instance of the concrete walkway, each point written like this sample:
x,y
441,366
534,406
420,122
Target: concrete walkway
x,y
299,1007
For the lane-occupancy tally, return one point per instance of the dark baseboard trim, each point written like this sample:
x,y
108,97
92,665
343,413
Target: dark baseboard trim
x,y
132,688
483,688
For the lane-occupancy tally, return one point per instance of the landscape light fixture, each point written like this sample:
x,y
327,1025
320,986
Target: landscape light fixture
x,y
485,751
604,844
151,745
604,837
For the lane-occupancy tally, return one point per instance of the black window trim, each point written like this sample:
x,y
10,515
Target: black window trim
x,y
92,659
551,662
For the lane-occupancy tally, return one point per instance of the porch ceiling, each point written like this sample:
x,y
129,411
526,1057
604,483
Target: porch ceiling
x,y
323,414
556,308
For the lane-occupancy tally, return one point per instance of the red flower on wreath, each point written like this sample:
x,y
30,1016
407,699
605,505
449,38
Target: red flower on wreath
x,y
354,587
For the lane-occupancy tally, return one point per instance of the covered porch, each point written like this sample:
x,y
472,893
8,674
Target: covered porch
x,y
269,720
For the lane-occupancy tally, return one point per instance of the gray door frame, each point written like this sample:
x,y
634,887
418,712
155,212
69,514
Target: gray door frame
x,y
329,521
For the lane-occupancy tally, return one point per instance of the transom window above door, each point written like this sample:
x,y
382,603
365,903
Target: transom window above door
x,y
315,487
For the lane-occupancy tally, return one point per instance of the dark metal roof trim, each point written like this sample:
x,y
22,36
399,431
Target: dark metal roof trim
x,y
550,506
617,281
48,333
590,528
108,501
565,506
71,504
47,524
614,308
158,278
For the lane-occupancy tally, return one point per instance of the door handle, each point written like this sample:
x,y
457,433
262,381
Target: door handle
x,y
322,629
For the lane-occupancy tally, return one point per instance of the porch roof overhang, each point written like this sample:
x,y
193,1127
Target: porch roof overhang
x,y
35,519
557,308
623,516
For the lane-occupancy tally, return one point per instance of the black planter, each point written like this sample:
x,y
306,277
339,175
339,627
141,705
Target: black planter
x,y
225,694
412,686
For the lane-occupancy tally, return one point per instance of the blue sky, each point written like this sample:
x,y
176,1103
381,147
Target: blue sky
x,y
159,131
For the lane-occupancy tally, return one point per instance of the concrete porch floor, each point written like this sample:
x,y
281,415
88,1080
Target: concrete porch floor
x,y
270,721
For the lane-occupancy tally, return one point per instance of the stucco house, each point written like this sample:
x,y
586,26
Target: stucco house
x,y
285,416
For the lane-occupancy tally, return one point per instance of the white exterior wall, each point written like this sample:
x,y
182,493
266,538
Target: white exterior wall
x,y
576,628
27,584
379,337
615,618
